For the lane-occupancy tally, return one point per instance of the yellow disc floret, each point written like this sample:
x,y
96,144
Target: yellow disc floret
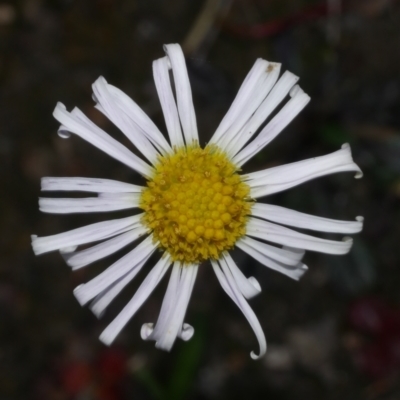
x,y
196,204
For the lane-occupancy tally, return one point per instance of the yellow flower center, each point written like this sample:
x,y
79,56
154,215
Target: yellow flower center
x,y
196,204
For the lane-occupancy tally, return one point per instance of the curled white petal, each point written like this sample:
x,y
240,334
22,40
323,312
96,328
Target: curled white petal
x,y
168,303
146,330
255,283
186,333
175,320
170,321
229,285
63,132
248,286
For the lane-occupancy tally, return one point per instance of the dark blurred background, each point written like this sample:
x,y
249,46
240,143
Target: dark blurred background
x,y
334,335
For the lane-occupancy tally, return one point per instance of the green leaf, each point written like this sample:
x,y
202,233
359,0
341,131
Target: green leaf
x,y
146,378
334,135
187,363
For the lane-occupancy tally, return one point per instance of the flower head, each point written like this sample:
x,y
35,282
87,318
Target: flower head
x,y
196,205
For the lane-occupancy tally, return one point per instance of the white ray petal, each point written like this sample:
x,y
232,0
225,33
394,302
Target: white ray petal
x,y
82,258
285,216
229,285
141,295
140,118
295,272
274,98
290,257
278,234
169,330
183,92
249,287
105,297
167,100
148,331
277,179
88,185
283,86
63,131
248,87
134,260
279,122
76,122
109,107
170,321
186,333
86,234
120,196
175,321
87,204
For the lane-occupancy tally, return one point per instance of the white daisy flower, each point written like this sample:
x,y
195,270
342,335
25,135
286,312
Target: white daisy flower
x,y
196,206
